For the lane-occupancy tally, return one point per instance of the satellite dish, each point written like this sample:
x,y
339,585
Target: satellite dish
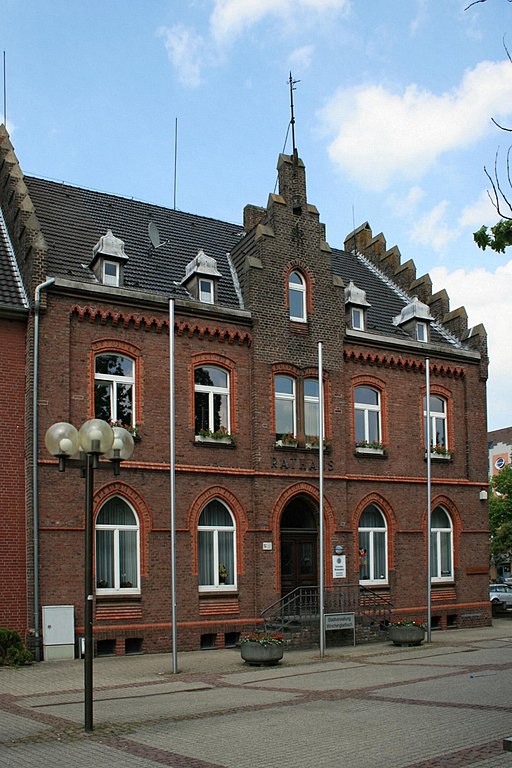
x,y
154,234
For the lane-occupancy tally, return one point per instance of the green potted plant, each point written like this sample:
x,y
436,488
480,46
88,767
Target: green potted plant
x,y
287,441
406,632
262,648
221,435
223,574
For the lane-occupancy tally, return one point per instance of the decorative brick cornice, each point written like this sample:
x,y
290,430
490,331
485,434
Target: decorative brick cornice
x,y
159,324
383,360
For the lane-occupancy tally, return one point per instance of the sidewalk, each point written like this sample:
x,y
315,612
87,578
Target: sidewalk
x,y
441,705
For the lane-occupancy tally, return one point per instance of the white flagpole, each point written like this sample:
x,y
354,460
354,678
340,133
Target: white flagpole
x,y
321,494
172,486
429,499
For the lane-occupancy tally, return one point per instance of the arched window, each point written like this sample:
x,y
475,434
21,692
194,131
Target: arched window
x,y
311,408
117,548
216,547
211,393
367,416
438,425
441,545
285,406
297,297
114,388
373,546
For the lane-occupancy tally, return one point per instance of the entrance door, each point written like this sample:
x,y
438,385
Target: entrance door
x,y
299,540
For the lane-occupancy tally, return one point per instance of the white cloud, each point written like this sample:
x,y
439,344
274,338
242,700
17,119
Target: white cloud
x,y
478,213
186,50
301,58
431,228
381,135
486,296
406,205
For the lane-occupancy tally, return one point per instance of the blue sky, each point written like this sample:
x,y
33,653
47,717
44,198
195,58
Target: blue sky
x,y
393,119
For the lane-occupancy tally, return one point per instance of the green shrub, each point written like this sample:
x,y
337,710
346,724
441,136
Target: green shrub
x,y
12,651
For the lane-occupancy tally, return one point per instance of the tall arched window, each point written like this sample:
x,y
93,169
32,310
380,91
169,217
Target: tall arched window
x,y
117,548
367,415
114,388
297,297
373,546
216,547
211,393
441,545
438,421
285,405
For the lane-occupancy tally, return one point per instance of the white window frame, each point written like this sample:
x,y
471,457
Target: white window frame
x,y
215,529
421,332
112,280
212,390
435,417
313,400
357,318
297,287
286,397
370,553
113,381
206,290
436,544
116,528
367,408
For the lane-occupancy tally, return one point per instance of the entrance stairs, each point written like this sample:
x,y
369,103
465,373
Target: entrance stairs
x,y
297,615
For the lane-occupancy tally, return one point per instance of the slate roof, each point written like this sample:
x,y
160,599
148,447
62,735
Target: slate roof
x,y
73,219
12,293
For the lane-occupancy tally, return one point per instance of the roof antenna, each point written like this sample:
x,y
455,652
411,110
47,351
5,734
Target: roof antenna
x,y
154,236
292,83
5,95
175,157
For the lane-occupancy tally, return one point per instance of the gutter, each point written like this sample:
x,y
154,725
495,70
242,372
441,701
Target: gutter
x,y
35,487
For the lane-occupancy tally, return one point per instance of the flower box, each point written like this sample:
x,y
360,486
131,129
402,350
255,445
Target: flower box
x,y
262,648
406,634
367,451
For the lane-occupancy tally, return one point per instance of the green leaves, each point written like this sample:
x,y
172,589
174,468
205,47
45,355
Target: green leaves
x,y
497,237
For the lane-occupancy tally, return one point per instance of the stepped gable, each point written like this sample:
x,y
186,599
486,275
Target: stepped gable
x,y
73,219
388,261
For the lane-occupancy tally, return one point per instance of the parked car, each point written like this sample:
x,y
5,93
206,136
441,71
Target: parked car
x,y
500,593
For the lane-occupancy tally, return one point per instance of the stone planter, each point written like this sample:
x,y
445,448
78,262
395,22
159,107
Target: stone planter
x,y
406,635
261,655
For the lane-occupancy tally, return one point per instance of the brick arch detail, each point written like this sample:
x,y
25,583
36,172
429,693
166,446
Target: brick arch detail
x,y
131,350
223,361
235,507
309,372
409,364
299,489
388,512
127,492
443,501
298,266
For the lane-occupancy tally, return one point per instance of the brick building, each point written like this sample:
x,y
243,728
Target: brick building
x,y
251,305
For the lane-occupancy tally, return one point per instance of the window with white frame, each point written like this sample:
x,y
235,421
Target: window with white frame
x,y
441,545
438,421
421,332
367,415
211,394
311,408
110,273
373,538
206,290
285,405
216,533
297,297
117,549
114,388
357,318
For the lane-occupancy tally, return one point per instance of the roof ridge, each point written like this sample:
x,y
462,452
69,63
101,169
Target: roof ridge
x,y
14,263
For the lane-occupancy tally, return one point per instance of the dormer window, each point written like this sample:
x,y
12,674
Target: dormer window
x,y
202,277
108,260
356,306
110,273
206,291
415,320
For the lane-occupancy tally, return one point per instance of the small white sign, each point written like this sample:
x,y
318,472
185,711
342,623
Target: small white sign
x,y
339,620
339,566
267,546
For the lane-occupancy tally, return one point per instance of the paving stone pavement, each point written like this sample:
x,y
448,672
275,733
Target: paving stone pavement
x,y
445,704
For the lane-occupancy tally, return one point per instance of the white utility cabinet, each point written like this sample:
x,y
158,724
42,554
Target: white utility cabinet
x,y
58,632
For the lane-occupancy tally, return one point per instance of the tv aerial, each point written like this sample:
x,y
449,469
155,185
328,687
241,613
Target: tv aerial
x,y
154,236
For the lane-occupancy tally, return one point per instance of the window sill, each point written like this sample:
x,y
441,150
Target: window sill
x,y
290,446
440,456
211,591
375,452
225,441
105,595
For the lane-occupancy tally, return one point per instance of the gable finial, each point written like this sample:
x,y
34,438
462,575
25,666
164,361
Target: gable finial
x,y
292,83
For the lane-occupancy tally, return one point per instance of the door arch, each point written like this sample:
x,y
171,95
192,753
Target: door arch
x,y
299,544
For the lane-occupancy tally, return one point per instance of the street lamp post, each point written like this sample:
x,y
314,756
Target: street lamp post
x,y
83,448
